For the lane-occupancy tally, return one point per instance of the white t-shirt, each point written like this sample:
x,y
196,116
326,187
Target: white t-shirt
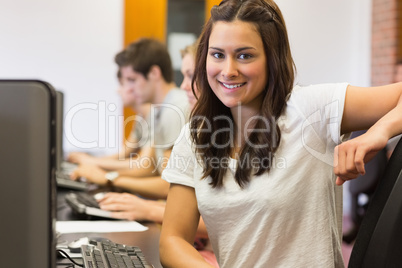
x,y
165,123
290,216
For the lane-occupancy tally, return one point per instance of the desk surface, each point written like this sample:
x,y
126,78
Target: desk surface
x,y
148,240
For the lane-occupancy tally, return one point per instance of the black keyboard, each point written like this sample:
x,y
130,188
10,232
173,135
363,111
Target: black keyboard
x,y
85,203
63,180
109,254
87,199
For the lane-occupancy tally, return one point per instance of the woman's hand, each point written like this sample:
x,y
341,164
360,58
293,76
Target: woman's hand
x,y
351,156
377,109
91,173
128,206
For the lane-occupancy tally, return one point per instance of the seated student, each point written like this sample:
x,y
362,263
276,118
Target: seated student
x,y
147,72
264,159
131,144
130,207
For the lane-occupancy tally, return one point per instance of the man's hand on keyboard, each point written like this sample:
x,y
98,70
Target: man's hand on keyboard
x,y
81,158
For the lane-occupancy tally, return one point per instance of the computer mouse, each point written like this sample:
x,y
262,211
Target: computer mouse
x,y
75,246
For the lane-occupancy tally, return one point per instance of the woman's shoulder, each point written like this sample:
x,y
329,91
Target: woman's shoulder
x,y
300,88
319,92
317,99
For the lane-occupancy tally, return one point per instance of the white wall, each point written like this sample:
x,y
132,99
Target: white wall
x,y
70,44
330,40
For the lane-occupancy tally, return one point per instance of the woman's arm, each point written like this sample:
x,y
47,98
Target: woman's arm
x,y
378,109
364,106
179,228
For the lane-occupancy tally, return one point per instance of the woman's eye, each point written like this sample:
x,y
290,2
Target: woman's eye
x,y
244,56
217,55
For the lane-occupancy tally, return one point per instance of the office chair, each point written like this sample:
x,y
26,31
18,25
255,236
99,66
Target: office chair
x,y
379,240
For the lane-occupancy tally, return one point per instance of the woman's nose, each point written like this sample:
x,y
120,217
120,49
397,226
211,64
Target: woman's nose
x,y
230,68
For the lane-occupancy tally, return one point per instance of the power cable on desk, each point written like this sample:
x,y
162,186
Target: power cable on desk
x,y
62,252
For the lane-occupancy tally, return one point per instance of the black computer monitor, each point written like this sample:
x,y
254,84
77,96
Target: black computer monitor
x,y
28,163
59,129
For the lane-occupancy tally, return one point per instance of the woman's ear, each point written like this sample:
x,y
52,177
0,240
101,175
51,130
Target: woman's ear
x,y
155,72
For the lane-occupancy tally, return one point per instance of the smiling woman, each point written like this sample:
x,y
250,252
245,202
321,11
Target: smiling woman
x,y
248,117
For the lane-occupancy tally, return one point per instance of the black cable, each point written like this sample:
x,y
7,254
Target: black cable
x,y
68,265
62,252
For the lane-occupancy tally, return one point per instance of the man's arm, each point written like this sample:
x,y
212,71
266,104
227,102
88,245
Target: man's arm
x,y
121,160
151,187
135,164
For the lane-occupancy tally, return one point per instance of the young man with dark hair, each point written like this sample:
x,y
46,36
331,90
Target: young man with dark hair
x,y
146,73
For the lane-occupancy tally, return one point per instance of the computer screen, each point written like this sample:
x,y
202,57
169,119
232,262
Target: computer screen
x,y
27,159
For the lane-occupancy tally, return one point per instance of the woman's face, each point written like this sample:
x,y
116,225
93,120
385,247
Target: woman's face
x,y
236,64
187,69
